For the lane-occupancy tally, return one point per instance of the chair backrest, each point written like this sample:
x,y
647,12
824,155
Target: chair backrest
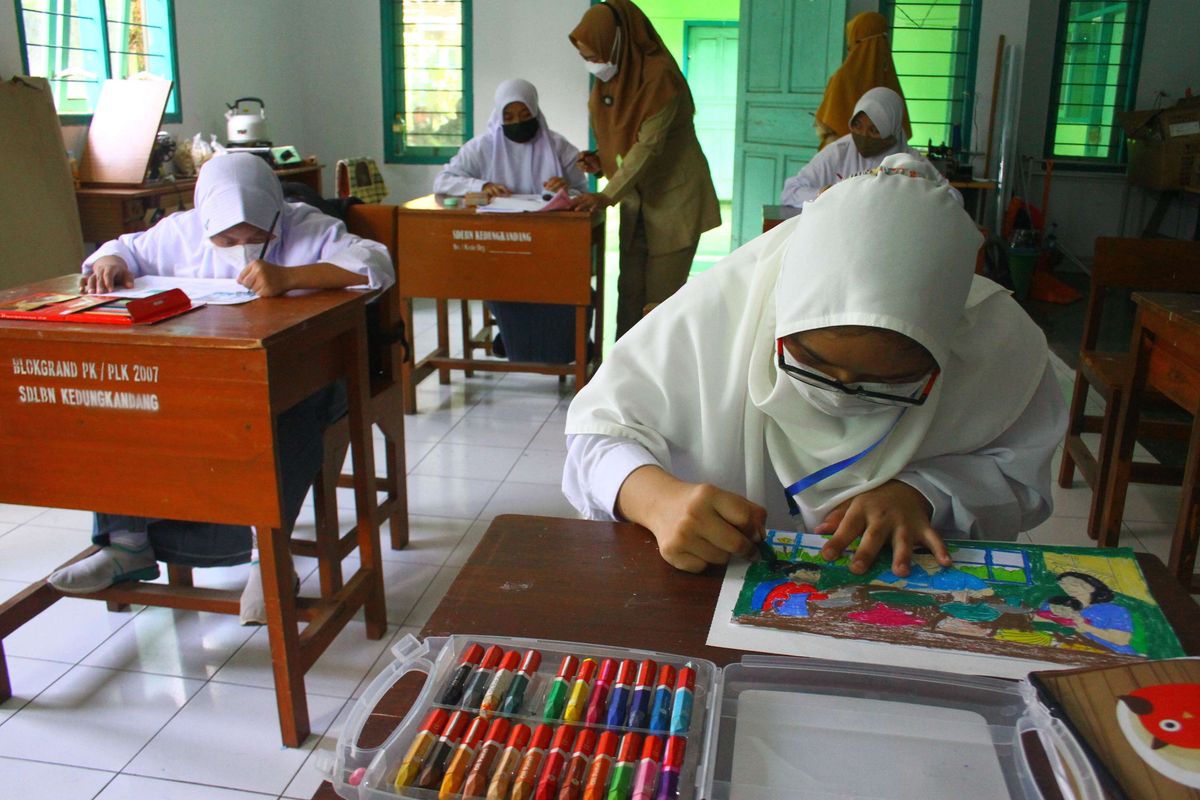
x,y
377,222
1148,265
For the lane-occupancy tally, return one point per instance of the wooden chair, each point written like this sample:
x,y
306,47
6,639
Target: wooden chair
x,y
1120,264
386,411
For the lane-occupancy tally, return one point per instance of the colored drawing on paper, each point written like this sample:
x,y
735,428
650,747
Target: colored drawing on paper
x,y
1070,605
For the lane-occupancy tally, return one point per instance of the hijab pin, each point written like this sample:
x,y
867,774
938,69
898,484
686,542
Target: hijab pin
x,y
608,101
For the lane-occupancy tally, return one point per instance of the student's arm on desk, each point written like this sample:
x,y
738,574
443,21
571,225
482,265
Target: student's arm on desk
x,y
609,477
337,247
458,176
270,280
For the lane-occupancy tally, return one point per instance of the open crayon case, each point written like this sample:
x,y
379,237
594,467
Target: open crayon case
x,y
761,729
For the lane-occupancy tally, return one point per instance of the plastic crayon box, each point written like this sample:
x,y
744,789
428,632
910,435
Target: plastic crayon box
x,y
370,773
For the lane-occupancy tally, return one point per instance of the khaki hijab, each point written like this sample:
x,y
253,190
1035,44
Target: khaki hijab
x,y
647,76
867,65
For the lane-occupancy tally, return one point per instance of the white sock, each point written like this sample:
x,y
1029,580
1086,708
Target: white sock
x,y
127,557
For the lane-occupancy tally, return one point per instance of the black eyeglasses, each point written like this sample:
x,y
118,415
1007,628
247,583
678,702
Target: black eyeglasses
x,y
883,398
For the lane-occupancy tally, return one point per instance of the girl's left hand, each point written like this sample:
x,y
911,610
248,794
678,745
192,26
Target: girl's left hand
x,y
590,201
265,279
555,184
892,512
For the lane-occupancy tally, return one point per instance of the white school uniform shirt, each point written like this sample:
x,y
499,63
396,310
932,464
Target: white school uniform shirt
x,y
694,386
521,166
232,189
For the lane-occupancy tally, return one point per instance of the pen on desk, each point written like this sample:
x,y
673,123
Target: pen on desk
x,y
531,762
647,771
601,766
421,746
622,774
577,704
599,699
454,690
477,683
618,703
476,784
520,682
572,781
681,712
431,771
660,710
672,764
460,762
643,686
271,232
556,697
556,759
506,767
499,684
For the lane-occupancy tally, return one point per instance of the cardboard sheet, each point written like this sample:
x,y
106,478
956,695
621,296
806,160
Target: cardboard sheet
x,y
121,136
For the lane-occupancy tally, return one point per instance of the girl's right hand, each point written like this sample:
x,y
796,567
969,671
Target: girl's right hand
x,y
589,162
108,273
496,190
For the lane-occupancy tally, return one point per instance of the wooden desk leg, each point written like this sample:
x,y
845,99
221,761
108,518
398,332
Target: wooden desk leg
x,y
279,595
1187,527
396,483
443,335
1121,452
408,379
468,351
581,337
5,684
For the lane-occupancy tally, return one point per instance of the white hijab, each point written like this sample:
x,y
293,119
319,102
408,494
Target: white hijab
x,y
236,188
886,110
696,381
521,166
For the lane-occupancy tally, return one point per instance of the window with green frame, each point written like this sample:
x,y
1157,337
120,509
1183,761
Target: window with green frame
x,y
1096,57
426,79
78,44
934,46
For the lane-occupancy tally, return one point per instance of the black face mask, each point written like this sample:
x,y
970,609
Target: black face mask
x,y
521,132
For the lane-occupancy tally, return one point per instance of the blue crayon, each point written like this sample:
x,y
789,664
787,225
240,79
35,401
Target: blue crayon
x,y
681,713
639,701
618,701
660,710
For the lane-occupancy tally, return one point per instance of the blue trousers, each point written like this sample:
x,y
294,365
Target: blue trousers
x,y
541,332
206,544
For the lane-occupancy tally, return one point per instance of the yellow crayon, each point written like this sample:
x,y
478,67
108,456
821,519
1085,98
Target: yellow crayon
x,y
422,745
577,704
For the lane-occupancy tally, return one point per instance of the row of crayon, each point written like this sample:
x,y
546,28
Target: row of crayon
x,y
500,760
612,694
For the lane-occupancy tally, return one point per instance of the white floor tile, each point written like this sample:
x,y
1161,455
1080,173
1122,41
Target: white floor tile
x,y
95,718
493,432
29,677
308,779
431,540
67,631
455,460
69,518
189,644
518,405
1154,537
1073,502
1148,503
134,787
433,595
551,437
18,514
1061,530
467,544
403,585
528,498
429,426
539,466
229,736
431,496
31,552
43,781
5,527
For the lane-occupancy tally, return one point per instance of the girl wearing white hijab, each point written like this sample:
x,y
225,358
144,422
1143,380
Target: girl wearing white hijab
x,y
876,132
238,203
517,154
847,363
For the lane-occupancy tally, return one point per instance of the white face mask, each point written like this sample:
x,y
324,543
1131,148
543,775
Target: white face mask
x,y
603,72
236,257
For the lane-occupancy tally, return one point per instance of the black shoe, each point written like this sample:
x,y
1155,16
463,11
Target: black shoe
x,y
498,347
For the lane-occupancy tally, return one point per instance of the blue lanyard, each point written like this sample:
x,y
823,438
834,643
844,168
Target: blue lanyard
x,y
811,479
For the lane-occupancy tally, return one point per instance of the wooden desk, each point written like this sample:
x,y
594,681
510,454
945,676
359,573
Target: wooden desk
x,y
1166,352
604,582
216,379
458,254
105,212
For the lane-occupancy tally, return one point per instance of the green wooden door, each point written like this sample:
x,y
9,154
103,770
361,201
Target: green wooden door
x,y
789,50
710,65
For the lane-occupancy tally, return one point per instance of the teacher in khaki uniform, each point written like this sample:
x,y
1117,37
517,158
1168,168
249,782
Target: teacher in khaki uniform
x,y
641,112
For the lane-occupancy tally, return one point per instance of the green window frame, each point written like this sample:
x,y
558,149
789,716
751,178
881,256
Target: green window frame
x,y
1097,53
935,45
78,44
427,82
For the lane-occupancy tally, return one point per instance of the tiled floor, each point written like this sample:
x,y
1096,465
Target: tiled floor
x,y
178,705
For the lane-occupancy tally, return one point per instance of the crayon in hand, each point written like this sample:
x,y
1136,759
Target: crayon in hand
x,y
577,704
498,687
421,746
477,683
452,694
476,783
660,711
556,697
460,761
599,699
601,767
639,701
506,767
520,682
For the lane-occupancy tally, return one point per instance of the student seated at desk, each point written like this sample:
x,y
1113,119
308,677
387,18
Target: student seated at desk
x,y
239,207
876,132
846,367
519,154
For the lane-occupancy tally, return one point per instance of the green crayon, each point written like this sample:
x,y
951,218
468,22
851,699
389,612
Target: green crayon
x,y
556,698
621,783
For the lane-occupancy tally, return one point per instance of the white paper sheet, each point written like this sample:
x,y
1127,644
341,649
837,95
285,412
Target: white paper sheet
x,y
214,291
520,203
724,632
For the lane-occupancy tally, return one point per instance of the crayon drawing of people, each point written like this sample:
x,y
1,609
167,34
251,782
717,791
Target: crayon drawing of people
x,y
927,575
1088,607
789,596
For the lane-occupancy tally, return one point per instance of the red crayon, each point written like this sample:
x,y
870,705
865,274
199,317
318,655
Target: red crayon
x,y
481,771
572,782
560,750
431,772
599,698
597,775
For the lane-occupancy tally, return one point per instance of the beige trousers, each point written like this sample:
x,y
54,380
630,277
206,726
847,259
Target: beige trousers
x,y
645,279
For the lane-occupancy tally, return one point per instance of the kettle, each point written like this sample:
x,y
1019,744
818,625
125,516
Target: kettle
x,y
244,126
